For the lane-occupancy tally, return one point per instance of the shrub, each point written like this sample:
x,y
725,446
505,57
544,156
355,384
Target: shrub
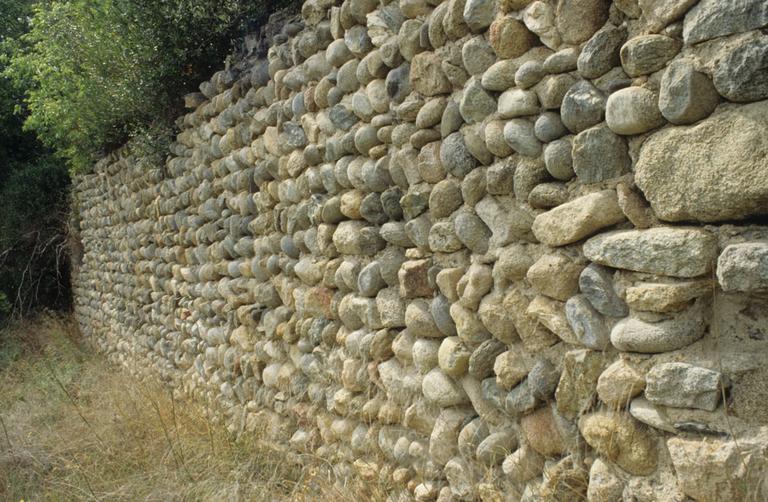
x,y
99,70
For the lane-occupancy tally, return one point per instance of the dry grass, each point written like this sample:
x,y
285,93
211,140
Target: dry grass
x,y
74,428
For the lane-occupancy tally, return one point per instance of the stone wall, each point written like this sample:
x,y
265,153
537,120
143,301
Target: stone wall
x,y
471,249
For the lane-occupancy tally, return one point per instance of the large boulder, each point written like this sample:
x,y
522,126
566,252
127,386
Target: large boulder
x,y
712,171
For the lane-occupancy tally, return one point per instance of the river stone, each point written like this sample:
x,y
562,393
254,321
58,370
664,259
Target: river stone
x,y
636,335
541,432
555,275
633,110
578,20
398,83
686,95
539,17
483,357
430,114
666,297
577,219
682,385
520,136
548,195
476,103
445,198
619,438
520,400
529,74
599,154
478,14
510,38
583,106
713,18
596,284
741,75
562,61
601,53
427,76
648,53
604,485
440,390
619,383
720,469
558,160
492,450
477,56
443,442
453,356
455,156
549,127
678,252
542,379
681,171
576,389
471,231
518,103
587,323
744,267
657,14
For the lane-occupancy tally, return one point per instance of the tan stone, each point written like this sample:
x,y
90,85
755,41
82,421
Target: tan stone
x,y
578,382
621,439
510,38
541,432
666,297
619,383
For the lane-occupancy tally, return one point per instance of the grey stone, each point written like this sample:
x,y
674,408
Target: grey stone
x,y
682,385
492,450
548,195
494,139
398,83
477,55
479,14
451,120
520,400
473,187
742,75
417,230
558,160
599,154
677,252
518,103
636,335
744,267
686,95
440,309
583,106
294,135
430,114
445,198
442,238
648,53
577,20
482,358
358,41
529,173
633,110
520,136
549,127
713,18
552,90
371,209
342,117
682,172
601,52
506,221
577,219
500,76
390,202
471,230
455,156
501,177
476,103
596,284
543,379
587,323
529,74
562,61
369,282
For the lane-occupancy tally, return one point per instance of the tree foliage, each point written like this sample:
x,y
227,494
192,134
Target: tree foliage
x,y
96,71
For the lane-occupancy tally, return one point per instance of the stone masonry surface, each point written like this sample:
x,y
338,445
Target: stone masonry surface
x,y
470,249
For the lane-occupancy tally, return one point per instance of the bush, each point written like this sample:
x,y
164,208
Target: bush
x,y
33,258
99,70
